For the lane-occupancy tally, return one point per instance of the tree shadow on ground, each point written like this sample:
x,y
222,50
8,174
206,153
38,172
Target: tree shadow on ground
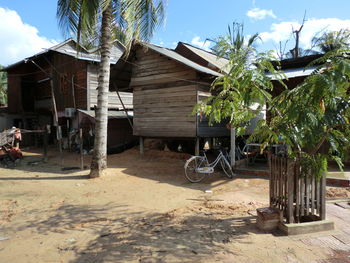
x,y
167,238
61,217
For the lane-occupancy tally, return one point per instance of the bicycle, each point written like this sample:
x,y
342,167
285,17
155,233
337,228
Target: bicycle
x,y
197,167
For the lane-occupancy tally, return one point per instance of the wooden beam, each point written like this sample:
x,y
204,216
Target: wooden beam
x,y
121,101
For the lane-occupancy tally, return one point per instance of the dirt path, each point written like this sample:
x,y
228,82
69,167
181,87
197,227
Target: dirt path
x,y
143,210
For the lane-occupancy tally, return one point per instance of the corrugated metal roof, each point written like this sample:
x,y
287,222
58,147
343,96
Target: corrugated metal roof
x,y
216,61
174,55
69,47
295,72
111,114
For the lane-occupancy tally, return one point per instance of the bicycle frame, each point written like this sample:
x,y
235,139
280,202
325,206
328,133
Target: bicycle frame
x,y
210,167
216,161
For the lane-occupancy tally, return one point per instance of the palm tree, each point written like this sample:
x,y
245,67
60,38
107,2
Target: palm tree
x,y
333,40
133,19
241,94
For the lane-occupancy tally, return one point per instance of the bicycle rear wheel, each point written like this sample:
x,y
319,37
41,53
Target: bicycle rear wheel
x,y
226,167
191,167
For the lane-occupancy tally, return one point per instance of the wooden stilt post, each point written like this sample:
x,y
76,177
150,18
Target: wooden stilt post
x,y
68,138
81,149
59,138
45,142
142,146
233,147
196,150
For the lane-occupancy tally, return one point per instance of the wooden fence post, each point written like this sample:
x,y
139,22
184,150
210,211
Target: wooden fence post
x,y
290,191
323,197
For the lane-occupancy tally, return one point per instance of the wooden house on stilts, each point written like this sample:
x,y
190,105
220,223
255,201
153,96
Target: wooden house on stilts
x,y
166,86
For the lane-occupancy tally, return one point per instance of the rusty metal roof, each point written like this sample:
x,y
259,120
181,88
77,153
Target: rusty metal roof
x,y
69,47
211,58
175,56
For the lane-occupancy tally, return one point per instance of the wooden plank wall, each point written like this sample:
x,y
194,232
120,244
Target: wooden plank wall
x,y
113,100
65,68
163,99
14,93
26,76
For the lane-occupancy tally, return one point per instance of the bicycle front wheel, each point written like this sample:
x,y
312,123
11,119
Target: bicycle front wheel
x,y
191,169
226,167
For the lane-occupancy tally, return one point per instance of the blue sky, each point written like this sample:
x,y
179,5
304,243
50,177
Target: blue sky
x,y
26,27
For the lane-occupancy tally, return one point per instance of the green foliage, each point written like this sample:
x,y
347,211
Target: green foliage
x,y
132,19
333,40
312,119
241,94
3,87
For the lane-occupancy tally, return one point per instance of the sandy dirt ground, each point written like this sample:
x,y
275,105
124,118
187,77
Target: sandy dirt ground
x,y
143,210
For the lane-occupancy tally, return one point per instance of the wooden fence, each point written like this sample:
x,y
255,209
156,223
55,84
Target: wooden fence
x,y
301,197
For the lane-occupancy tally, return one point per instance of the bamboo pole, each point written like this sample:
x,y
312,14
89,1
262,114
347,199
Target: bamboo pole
x,y
81,149
73,93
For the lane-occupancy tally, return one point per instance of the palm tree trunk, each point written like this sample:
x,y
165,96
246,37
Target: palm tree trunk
x,y
99,158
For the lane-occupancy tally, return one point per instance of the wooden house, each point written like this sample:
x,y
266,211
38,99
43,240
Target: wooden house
x,y
166,87
63,76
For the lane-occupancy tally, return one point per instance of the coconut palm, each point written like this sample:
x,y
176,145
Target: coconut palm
x,y
132,19
241,94
333,40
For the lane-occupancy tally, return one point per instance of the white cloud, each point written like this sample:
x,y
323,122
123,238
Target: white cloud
x,y
201,44
282,31
259,14
17,39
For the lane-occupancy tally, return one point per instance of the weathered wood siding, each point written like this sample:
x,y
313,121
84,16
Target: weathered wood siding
x,y
27,86
67,67
163,98
113,100
14,94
